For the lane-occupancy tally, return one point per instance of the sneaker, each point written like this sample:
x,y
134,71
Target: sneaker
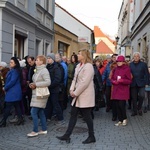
x,y
124,123
62,122
32,134
42,132
14,120
118,124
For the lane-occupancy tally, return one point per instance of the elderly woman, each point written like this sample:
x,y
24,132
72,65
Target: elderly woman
x,y
82,91
41,78
121,79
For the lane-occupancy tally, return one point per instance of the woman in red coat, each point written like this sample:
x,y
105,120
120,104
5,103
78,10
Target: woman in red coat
x,y
121,79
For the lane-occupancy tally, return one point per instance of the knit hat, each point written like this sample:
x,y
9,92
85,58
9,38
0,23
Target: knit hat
x,y
120,58
3,64
51,55
22,63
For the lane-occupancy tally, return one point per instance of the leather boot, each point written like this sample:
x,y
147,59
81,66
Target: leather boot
x,y
3,123
90,139
20,121
65,137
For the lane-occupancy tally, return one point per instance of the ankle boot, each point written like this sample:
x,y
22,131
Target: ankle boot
x,y
65,137
3,123
20,121
90,139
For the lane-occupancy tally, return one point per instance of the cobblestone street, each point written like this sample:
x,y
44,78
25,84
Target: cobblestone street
x,y
134,136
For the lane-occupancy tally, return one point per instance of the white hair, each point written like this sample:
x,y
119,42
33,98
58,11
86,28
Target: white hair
x,y
137,53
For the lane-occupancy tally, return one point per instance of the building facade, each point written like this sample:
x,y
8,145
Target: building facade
x,y
134,28
70,33
141,29
124,28
26,28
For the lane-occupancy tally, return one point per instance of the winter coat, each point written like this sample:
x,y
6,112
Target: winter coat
x,y
55,75
3,74
65,72
140,74
83,86
13,86
105,75
30,73
24,79
71,70
41,78
120,90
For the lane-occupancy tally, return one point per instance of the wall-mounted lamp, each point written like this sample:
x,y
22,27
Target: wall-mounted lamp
x,y
117,39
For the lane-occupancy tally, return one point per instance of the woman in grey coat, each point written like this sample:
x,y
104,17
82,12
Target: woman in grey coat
x,y
41,78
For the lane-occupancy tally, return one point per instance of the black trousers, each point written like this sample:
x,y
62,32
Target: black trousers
x,y
86,112
8,107
121,110
137,94
114,108
108,95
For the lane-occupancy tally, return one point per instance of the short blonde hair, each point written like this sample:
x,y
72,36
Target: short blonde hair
x,y
42,58
87,56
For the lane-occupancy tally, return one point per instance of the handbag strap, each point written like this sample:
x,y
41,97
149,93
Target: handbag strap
x,y
38,75
78,75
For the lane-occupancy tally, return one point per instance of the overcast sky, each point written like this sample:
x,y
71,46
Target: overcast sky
x,y
102,13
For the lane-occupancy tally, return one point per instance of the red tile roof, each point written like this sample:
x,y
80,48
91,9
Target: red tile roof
x,y
99,33
102,48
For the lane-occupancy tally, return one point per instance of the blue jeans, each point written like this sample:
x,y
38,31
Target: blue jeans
x,y
35,113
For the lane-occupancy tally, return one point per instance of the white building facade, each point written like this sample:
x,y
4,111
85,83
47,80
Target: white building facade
x,y
26,28
124,28
72,24
141,29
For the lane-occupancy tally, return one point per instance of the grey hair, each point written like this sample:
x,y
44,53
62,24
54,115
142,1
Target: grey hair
x,y
137,53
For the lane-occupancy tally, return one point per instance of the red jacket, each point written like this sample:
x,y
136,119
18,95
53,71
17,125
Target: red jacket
x,y
121,87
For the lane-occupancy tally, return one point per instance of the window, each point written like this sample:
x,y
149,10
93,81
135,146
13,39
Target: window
x,y
62,48
22,4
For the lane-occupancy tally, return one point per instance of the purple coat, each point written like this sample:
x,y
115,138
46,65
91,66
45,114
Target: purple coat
x,y
121,88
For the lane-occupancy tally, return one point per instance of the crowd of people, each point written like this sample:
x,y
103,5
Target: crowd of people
x,y
84,83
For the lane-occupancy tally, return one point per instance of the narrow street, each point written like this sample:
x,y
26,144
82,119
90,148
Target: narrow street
x,y
134,136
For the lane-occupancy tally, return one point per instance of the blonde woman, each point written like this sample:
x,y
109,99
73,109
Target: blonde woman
x,y
41,78
82,91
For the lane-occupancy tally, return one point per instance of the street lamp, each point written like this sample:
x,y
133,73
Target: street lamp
x,y
117,39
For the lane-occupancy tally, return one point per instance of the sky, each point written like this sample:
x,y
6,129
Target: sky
x,y
101,13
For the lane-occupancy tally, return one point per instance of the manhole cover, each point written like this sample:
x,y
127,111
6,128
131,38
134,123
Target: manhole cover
x,y
75,130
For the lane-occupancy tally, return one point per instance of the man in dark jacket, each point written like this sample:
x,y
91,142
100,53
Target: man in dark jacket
x,y
31,69
140,74
53,105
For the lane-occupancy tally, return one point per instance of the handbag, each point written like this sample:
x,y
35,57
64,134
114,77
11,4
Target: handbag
x,y
42,92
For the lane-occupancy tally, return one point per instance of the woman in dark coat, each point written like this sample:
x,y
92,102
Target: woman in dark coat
x,y
13,91
121,79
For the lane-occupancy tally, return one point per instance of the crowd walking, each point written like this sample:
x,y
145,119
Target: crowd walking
x,y
85,84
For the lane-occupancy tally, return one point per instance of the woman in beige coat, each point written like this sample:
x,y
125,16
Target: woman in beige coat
x,y
41,78
82,91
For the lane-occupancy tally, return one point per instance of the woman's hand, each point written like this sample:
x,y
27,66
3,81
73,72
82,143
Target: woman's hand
x,y
32,86
72,94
